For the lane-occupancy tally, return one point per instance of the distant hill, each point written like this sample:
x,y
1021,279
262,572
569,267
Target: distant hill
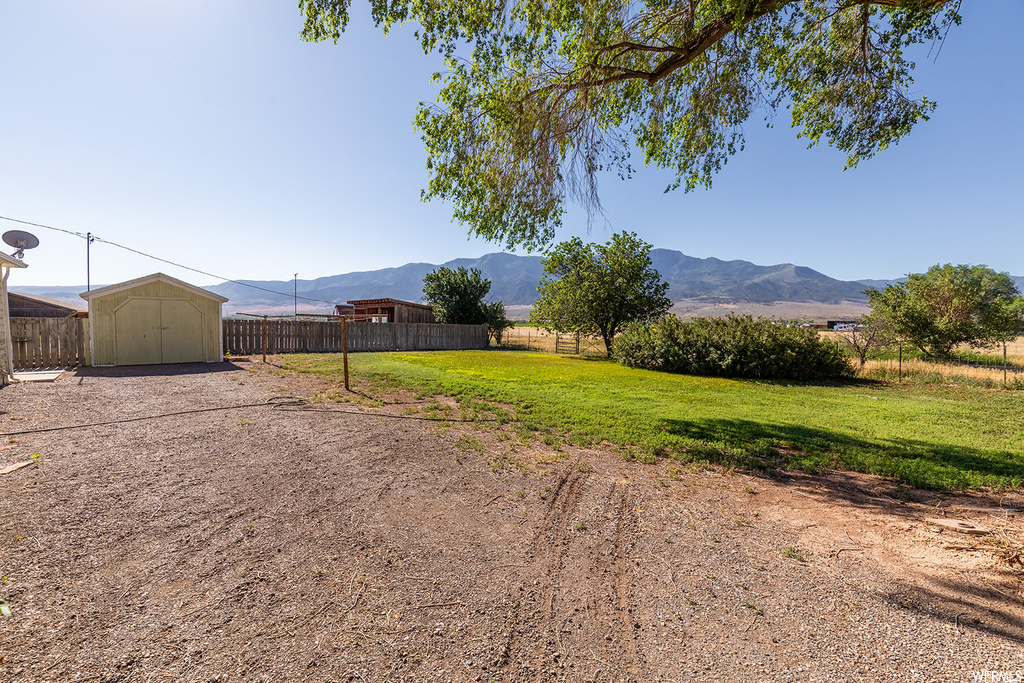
x,y
691,278
514,281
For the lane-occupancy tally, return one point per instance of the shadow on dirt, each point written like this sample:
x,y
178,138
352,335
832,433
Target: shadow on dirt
x,y
769,447
174,370
966,606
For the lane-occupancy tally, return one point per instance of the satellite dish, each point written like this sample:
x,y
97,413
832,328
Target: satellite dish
x,y
21,240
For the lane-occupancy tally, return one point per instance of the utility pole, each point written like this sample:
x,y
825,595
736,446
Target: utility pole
x,y
88,279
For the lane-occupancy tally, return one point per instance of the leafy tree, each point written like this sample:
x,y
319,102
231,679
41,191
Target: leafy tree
x,y
951,305
595,289
497,323
870,332
457,295
539,96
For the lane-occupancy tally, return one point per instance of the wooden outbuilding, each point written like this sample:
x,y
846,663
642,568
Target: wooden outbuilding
x,y
23,305
154,320
392,311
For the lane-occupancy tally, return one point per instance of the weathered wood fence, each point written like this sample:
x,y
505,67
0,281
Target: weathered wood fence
x,y
244,337
49,342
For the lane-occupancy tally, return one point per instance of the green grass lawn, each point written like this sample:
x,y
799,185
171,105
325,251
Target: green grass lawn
x,y
935,437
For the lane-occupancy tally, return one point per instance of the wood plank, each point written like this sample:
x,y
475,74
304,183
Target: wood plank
x,y
17,466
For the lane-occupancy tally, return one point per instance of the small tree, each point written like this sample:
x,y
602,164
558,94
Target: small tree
x,y
497,323
457,298
951,305
456,295
595,289
871,332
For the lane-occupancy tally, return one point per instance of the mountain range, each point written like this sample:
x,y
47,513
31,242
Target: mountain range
x,y
514,281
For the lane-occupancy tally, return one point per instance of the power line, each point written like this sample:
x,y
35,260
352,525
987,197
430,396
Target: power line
x,y
167,261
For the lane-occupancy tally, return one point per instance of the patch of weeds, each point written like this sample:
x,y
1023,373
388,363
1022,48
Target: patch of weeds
x,y
581,525
714,539
647,456
584,467
661,482
903,493
690,602
669,540
249,530
410,411
674,472
995,541
739,521
545,493
521,494
436,409
691,526
750,490
553,457
551,441
467,442
793,554
243,421
502,435
504,463
318,572
712,593
525,436
753,607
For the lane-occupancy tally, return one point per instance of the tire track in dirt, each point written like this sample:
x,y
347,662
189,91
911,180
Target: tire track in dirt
x,y
612,556
533,610
598,627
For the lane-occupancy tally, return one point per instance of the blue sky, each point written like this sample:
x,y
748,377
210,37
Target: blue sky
x,y
208,133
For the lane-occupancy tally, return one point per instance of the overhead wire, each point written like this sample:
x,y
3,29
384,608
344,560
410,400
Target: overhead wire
x,y
284,403
95,238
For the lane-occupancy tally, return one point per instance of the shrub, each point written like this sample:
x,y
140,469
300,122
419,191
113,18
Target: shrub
x,y
734,346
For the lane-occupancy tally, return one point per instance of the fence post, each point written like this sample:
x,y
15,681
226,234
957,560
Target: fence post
x,y
344,351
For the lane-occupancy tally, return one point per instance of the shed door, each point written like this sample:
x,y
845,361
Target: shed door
x,y
137,332
155,331
181,327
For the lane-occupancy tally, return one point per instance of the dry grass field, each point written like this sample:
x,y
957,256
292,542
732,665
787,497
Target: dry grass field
x,y
812,311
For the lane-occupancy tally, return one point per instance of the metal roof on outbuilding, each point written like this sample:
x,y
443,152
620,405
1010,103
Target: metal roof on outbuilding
x,y
155,277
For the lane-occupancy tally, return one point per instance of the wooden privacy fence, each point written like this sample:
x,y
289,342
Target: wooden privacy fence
x,y
48,342
244,337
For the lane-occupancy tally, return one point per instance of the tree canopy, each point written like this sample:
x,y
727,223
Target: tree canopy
x,y
457,296
597,288
539,96
951,305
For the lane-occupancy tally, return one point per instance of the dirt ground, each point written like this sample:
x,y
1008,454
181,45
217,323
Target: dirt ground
x,y
382,542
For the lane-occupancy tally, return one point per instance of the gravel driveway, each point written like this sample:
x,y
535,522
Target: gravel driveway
x,y
368,542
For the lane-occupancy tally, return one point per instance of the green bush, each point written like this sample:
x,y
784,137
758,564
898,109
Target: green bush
x,y
733,346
